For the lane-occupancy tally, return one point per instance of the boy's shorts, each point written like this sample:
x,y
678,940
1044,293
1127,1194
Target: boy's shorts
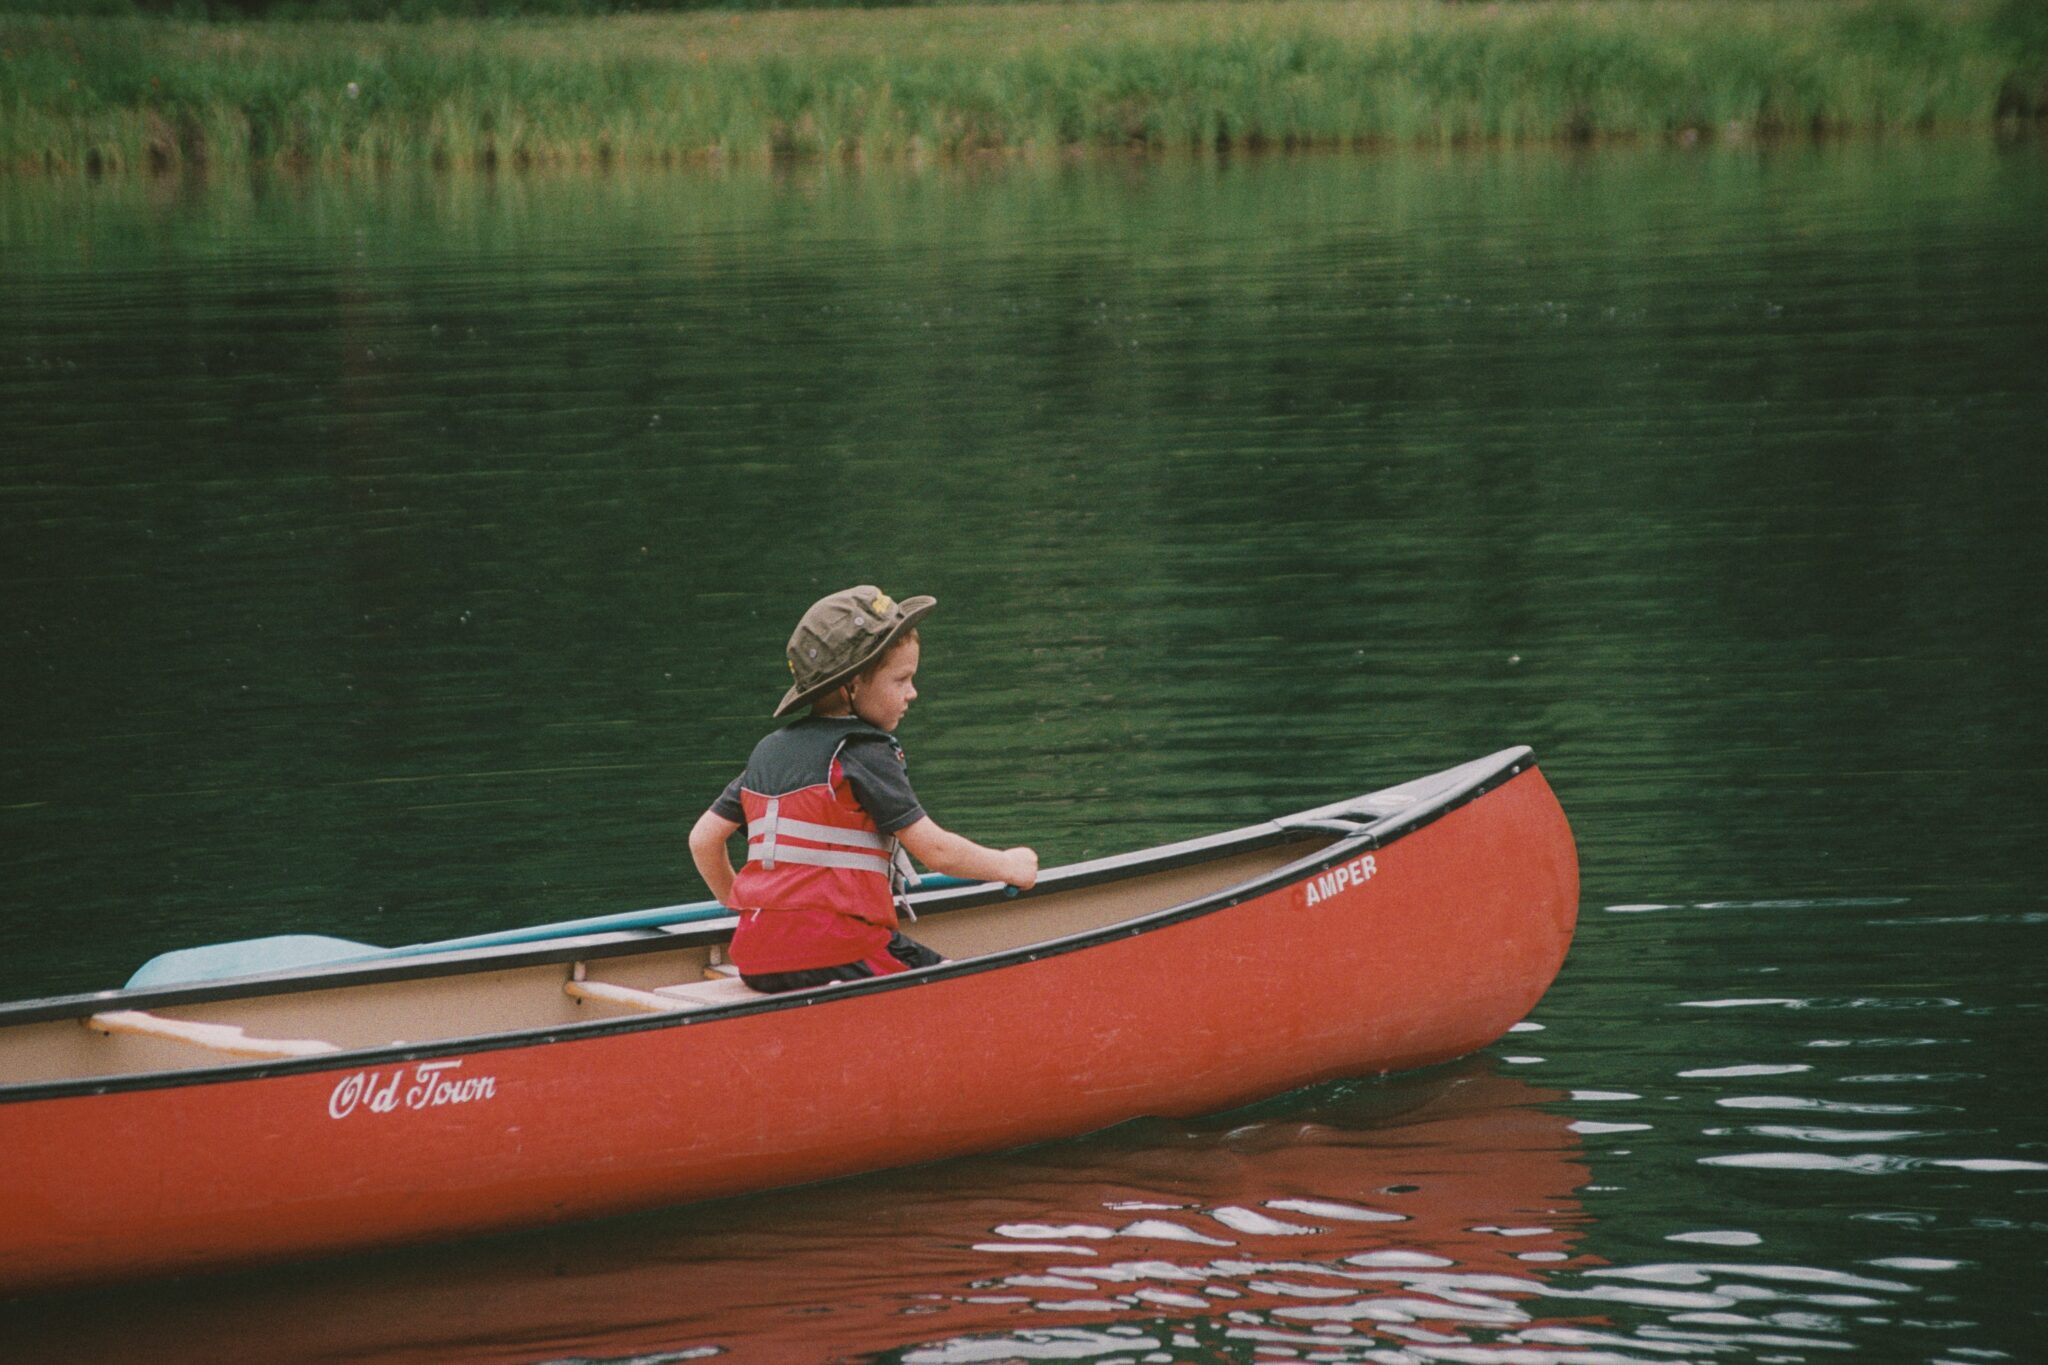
x,y
901,955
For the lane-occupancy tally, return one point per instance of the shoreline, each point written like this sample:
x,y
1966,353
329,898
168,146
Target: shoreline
x,y
809,168
1011,82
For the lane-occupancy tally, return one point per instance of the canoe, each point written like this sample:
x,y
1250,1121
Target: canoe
x,y
352,1105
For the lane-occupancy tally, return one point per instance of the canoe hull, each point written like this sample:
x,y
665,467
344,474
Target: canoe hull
x,y
1420,951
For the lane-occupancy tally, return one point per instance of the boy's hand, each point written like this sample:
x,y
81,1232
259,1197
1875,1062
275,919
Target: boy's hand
x,y
943,851
1022,871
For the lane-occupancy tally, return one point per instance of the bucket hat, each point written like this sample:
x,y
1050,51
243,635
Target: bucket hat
x,y
842,634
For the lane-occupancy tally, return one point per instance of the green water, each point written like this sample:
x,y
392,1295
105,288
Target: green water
x,y
399,559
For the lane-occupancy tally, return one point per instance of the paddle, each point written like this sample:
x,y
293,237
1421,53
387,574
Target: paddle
x,y
282,952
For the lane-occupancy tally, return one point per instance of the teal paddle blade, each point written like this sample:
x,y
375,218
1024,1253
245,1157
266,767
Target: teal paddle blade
x,y
247,957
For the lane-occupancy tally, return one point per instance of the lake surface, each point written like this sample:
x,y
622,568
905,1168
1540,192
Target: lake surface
x,y
405,558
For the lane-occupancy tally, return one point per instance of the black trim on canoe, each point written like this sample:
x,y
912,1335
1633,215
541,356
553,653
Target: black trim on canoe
x,y
1359,827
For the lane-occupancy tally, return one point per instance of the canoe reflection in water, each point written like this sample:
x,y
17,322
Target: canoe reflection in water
x,y
1357,1217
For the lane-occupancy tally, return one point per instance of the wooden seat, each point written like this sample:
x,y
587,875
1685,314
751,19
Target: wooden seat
x,y
724,990
227,1038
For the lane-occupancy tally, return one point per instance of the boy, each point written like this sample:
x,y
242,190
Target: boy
x,y
827,805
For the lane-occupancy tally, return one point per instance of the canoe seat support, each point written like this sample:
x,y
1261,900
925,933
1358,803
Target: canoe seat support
x,y
227,1038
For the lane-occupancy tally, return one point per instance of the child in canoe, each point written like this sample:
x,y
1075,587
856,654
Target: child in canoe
x,y
827,805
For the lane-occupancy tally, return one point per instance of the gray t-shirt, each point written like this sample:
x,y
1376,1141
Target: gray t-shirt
x,y
873,767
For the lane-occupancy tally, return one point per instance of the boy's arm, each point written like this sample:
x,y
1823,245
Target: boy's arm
x,y
942,850
708,851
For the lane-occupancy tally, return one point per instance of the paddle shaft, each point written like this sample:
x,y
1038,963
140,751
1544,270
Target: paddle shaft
x,y
244,957
627,919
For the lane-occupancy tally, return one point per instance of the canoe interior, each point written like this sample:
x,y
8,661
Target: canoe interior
x,y
524,995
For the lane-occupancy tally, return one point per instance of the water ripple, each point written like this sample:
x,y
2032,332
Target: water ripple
x,y
1866,1163
1782,1069
1818,1134
1856,1002
1051,1343
1322,1208
1818,1106
1879,1042
1701,1272
1258,1224
1814,903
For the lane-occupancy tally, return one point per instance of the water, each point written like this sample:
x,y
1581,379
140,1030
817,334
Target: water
x,y
399,560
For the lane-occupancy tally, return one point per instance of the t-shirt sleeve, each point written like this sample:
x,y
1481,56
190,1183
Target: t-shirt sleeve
x,y
728,803
881,784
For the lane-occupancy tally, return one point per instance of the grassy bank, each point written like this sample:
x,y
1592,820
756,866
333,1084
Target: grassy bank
x,y
115,94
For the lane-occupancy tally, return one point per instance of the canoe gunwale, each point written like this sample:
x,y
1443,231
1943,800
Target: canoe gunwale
x,y
1354,837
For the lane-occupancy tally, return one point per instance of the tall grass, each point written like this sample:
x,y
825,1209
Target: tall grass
x,y
104,94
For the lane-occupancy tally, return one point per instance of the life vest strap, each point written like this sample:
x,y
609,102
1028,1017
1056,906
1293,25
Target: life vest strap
x,y
817,857
774,826
769,823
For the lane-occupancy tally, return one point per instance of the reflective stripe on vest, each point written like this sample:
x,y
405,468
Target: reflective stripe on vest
x,y
786,854
765,846
774,824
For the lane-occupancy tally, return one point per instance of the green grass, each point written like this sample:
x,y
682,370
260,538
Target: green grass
x,y
128,93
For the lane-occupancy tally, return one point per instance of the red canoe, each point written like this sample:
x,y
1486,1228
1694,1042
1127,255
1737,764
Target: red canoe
x,y
182,1128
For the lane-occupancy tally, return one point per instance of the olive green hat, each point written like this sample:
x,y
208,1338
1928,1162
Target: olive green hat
x,y
842,634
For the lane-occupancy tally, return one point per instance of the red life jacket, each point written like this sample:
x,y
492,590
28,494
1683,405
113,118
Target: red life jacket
x,y
815,890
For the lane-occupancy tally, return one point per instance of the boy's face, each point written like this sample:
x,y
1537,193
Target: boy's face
x,y
880,698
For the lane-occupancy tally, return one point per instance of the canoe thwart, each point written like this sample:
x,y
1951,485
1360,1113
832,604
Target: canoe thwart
x,y
228,1038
